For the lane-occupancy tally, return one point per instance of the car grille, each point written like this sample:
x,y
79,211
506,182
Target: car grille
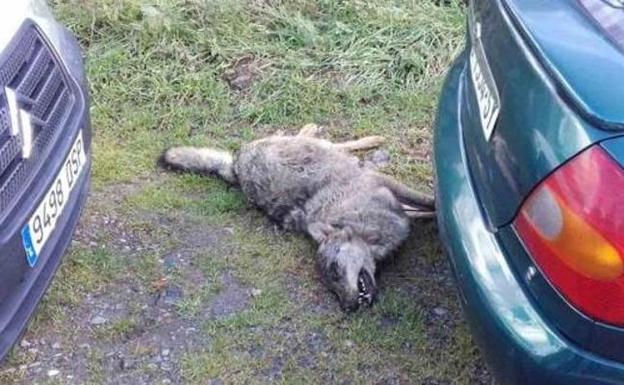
x,y
29,68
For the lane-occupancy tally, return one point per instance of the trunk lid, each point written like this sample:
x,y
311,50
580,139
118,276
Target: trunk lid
x,y
538,127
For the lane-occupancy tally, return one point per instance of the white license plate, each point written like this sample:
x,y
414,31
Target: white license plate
x,y
485,89
38,229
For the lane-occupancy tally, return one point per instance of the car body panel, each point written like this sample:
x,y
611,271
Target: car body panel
x,y
571,45
536,130
507,168
521,346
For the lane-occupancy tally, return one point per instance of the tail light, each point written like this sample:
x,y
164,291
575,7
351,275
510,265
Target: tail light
x,y
573,227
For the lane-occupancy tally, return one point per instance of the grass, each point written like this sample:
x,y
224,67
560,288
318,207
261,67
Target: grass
x,y
359,67
221,73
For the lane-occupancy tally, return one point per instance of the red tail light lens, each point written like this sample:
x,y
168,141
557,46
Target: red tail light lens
x,y
573,227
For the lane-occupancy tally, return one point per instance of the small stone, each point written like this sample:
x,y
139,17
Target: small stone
x,y
126,363
440,311
25,344
53,372
98,320
256,292
56,346
165,352
173,295
379,158
349,344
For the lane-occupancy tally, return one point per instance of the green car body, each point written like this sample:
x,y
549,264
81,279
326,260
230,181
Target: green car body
x,y
554,73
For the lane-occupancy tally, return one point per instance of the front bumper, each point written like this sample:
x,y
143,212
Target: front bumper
x,y
22,287
519,344
17,311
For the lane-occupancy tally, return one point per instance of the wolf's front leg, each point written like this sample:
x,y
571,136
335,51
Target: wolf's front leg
x,y
366,143
311,130
294,221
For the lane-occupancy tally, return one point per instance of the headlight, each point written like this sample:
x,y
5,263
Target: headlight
x,y
609,15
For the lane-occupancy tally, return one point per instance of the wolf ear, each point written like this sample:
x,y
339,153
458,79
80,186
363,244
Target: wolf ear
x,y
372,238
319,231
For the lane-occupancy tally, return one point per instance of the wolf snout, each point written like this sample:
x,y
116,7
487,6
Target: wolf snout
x,y
365,296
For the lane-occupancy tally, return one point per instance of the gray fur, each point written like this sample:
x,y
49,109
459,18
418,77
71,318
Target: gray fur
x,y
310,185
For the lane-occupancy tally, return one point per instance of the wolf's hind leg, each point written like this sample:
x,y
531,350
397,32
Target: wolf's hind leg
x,y
311,130
366,143
418,212
406,195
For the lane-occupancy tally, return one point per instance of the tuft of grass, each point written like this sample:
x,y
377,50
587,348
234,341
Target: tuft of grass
x,y
192,193
389,326
119,330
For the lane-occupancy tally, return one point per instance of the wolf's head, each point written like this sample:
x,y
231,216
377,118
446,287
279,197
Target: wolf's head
x,y
348,269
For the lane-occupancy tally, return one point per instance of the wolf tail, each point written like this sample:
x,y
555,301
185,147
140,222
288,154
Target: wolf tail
x,y
202,160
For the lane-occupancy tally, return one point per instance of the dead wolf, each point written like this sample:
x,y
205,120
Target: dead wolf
x,y
357,216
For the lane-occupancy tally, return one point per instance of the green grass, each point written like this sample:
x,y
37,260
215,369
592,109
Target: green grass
x,y
160,74
359,67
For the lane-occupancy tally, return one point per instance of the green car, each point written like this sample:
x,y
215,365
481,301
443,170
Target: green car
x,y
529,156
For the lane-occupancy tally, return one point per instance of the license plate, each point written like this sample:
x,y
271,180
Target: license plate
x,y
487,97
38,229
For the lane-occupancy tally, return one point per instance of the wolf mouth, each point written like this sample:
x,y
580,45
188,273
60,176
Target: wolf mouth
x,y
365,288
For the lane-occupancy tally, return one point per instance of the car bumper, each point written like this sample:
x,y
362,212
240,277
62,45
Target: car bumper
x,y
21,287
519,344
17,311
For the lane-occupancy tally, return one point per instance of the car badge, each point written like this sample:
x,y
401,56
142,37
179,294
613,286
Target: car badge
x,y
21,122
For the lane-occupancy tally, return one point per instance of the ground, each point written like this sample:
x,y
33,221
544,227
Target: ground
x,y
175,279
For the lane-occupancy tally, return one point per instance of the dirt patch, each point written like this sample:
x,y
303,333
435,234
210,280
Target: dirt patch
x,y
242,72
177,276
232,299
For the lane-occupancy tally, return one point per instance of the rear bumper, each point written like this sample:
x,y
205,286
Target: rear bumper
x,y
519,344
